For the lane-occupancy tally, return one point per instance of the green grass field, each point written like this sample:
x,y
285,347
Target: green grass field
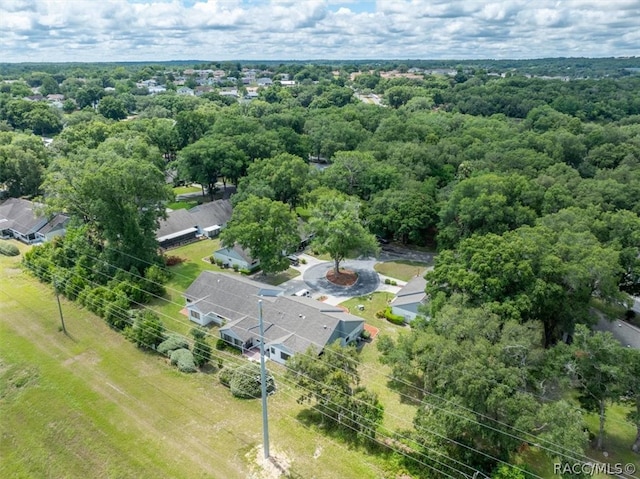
x,y
402,270
183,190
91,405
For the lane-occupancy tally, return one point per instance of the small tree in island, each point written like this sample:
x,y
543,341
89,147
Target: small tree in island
x,y
266,228
338,230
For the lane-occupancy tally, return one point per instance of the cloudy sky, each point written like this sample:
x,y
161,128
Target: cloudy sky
x,y
142,30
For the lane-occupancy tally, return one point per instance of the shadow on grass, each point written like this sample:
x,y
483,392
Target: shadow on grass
x,y
409,390
184,274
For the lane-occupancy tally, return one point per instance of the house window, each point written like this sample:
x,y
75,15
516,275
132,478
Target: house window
x,y
284,355
273,350
195,314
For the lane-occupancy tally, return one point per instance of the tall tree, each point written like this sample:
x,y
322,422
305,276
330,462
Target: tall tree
x,y
597,367
331,383
284,178
631,387
120,197
266,228
338,229
529,274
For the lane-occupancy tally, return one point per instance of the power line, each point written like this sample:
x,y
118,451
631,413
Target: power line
x,y
430,404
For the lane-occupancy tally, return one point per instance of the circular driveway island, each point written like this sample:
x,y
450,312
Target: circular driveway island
x,y
368,279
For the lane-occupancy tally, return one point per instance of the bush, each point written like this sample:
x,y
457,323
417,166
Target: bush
x,y
366,335
245,382
303,261
222,345
393,318
387,281
172,343
218,262
225,376
8,249
183,358
236,268
173,260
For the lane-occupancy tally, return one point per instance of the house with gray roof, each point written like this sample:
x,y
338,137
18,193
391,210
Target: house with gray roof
x,y
182,226
291,324
23,220
236,257
409,299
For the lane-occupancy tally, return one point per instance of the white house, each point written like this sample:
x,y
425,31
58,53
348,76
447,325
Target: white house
x,y
20,219
409,299
236,256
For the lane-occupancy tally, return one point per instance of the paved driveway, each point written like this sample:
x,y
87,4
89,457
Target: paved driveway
x,y
368,279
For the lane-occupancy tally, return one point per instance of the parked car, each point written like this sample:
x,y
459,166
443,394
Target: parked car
x,y
293,259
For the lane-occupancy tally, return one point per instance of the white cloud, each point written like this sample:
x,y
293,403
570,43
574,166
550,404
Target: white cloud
x,y
110,30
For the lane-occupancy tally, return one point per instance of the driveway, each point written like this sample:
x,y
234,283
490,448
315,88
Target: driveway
x,y
368,279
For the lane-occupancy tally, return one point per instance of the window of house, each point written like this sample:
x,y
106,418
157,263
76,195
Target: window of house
x,y
195,314
284,355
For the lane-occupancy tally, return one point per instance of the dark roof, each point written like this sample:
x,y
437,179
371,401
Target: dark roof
x,y
294,322
21,215
205,215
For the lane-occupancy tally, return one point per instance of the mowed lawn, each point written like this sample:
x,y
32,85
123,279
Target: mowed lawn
x,y
91,405
399,409
401,269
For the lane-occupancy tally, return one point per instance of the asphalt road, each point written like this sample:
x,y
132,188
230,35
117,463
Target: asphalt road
x,y
627,334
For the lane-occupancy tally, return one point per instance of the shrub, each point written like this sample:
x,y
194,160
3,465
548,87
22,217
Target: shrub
x,y
387,281
183,358
173,260
201,349
172,343
225,376
8,249
366,335
147,330
245,382
222,345
303,261
236,268
393,318
380,314
219,263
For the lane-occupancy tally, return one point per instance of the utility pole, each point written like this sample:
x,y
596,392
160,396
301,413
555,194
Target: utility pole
x,y
55,288
263,381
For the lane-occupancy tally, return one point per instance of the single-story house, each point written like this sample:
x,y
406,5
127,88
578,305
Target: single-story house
x,y
183,226
291,324
236,256
409,298
20,219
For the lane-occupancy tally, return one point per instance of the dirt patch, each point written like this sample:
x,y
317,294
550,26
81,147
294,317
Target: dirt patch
x,y
88,357
345,277
276,466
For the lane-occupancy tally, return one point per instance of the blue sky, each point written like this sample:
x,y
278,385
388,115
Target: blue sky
x,y
147,30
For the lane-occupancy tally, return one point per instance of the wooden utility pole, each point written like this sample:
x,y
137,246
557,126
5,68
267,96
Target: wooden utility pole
x,y
55,288
263,381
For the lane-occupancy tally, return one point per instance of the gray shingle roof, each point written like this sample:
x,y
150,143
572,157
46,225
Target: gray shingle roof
x,y
236,298
21,215
208,214
412,292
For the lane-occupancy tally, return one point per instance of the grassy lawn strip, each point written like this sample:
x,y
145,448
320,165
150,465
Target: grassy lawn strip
x,y
277,279
93,405
402,270
398,411
182,205
183,190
